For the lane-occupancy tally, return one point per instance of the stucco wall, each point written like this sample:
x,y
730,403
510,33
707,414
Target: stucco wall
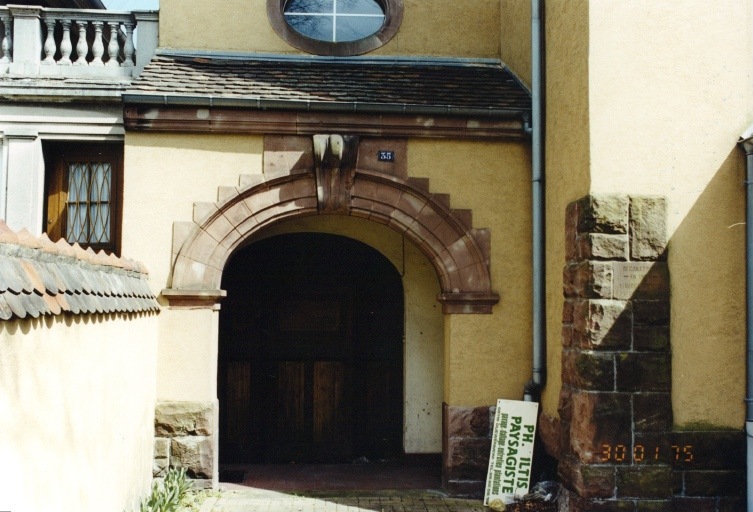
x,y
439,28
164,176
77,401
515,37
487,356
670,94
567,158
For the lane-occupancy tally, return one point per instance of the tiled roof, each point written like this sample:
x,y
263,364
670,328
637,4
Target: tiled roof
x,y
327,82
39,277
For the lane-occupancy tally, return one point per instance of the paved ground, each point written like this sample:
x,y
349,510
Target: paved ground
x,y
260,500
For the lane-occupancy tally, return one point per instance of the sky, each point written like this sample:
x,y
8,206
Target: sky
x,y
131,5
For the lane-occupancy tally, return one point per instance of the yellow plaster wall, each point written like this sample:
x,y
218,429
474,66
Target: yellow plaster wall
x,y
670,95
567,164
487,356
515,37
164,175
423,352
77,399
438,28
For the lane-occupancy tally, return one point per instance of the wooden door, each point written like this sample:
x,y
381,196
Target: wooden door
x,y
310,359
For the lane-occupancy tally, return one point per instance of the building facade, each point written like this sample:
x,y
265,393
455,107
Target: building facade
x,y
335,207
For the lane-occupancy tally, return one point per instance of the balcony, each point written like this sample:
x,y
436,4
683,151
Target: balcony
x,y
83,44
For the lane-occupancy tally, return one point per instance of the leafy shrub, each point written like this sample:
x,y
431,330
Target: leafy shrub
x,y
166,494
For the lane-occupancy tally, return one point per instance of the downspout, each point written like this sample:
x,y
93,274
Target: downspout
x,y
747,143
538,374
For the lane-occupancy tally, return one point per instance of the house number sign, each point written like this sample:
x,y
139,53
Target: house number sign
x,y
384,155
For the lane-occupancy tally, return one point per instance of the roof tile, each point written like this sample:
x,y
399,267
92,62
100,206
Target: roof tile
x,y
39,277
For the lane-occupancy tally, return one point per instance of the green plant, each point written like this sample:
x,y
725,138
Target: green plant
x,y
166,494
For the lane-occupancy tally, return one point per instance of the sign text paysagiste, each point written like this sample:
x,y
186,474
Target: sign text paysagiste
x,y
512,451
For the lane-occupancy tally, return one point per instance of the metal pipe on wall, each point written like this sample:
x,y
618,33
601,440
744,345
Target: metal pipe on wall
x,y
538,372
746,141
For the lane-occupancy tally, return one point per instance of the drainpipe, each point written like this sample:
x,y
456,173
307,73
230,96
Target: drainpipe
x,y
747,143
538,375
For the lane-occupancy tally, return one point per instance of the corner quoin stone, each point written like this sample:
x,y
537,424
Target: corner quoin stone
x,y
173,419
194,453
648,228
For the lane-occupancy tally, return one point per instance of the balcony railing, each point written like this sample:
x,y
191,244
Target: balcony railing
x,y
85,43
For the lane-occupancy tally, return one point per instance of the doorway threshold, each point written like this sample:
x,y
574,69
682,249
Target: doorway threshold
x,y
331,477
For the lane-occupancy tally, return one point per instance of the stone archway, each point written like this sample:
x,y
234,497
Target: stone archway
x,y
335,185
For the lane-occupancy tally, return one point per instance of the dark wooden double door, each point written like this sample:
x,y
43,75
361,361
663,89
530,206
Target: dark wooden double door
x,y
311,353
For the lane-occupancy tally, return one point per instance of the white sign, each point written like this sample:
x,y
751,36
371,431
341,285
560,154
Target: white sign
x,y
511,456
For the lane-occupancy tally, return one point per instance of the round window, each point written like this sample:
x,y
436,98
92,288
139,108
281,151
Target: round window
x,y
335,27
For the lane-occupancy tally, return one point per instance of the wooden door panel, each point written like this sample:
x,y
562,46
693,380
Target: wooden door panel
x,y
291,402
328,404
238,400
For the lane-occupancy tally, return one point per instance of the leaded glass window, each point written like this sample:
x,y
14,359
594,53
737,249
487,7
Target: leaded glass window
x,y
83,184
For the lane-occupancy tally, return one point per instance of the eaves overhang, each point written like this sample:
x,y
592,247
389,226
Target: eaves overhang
x,y
205,92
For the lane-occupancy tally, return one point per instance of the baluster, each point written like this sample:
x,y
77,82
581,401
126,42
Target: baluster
x,y
113,48
49,43
82,46
98,49
65,44
6,46
129,48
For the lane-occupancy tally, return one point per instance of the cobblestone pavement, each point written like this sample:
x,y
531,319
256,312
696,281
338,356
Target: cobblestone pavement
x,y
257,500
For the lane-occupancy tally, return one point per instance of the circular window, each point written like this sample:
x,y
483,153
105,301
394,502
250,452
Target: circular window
x,y
335,27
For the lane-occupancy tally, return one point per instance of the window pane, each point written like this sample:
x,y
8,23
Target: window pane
x,y
78,182
358,7
76,223
100,183
310,6
315,27
353,28
99,215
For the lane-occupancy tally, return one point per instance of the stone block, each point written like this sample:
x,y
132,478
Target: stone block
x,y
600,246
467,421
653,506
709,449
588,369
603,214
172,419
651,312
648,228
652,448
467,458
646,280
603,324
643,481
652,412
567,336
587,481
731,504
644,371
572,215
714,483
549,431
161,457
654,338
567,312
194,453
599,419
583,505
588,279
683,504
472,489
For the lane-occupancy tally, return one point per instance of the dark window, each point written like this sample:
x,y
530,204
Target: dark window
x,y
83,185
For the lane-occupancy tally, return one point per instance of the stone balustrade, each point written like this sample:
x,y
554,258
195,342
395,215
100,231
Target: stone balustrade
x,y
83,43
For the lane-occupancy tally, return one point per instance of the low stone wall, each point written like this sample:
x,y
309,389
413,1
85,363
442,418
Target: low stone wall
x,y
185,435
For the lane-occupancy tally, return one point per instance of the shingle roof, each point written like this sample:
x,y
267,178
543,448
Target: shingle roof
x,y
482,87
39,277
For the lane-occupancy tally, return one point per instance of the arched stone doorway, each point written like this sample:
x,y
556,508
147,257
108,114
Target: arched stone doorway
x,y
311,352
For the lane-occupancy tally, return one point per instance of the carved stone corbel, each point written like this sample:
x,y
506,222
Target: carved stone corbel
x,y
335,163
